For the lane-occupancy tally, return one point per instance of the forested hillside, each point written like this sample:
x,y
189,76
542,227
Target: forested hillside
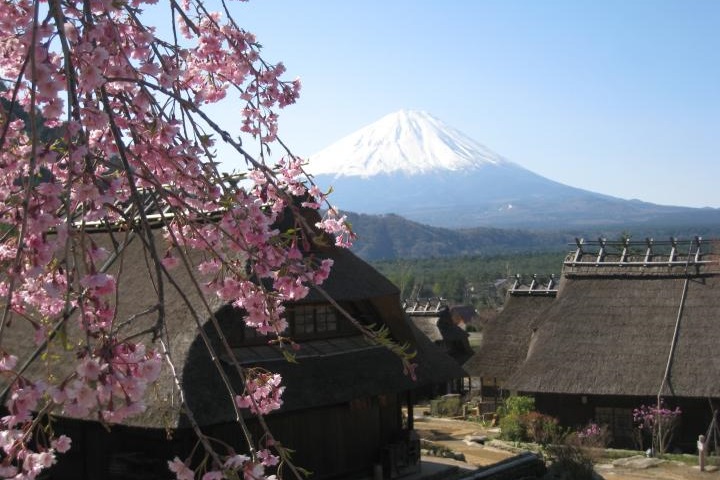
x,y
466,265
385,237
468,279
388,237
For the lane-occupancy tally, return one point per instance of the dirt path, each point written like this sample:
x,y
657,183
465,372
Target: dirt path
x,y
451,433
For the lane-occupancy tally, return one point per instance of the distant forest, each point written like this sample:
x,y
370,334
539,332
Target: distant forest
x,y
468,279
468,265
388,237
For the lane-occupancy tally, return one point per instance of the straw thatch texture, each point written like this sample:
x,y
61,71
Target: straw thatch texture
x,y
506,338
428,326
328,372
318,380
434,365
441,329
610,332
464,314
136,293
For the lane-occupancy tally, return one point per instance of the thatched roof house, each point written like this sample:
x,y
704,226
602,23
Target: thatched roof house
x,y
465,315
631,321
342,405
507,337
434,319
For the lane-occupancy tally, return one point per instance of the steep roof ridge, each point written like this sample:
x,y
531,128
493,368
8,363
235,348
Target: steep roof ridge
x,y
547,285
672,258
156,208
609,329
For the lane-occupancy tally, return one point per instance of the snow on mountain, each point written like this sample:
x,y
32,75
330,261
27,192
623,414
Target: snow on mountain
x,y
414,165
408,142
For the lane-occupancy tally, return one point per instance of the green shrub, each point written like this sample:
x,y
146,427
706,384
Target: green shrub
x,y
446,406
542,429
516,404
512,415
513,429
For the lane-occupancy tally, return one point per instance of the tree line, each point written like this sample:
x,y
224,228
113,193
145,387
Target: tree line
x,y
466,279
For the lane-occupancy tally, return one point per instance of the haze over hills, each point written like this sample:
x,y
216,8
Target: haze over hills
x,y
388,237
411,164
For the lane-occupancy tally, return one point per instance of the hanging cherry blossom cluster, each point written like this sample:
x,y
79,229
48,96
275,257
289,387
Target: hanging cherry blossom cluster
x,y
99,115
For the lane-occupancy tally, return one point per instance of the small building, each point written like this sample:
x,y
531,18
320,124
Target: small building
x,y
633,322
342,410
433,318
506,338
466,317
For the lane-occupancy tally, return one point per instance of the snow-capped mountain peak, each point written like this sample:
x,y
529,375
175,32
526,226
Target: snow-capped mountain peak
x,y
407,141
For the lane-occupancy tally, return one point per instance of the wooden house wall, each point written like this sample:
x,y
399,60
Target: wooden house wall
x,y
339,440
616,411
332,442
120,453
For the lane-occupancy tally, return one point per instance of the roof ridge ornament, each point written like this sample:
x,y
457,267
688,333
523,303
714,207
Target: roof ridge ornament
x,y
646,253
536,287
430,305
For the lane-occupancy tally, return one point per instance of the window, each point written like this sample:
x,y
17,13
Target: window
x,y
619,421
325,319
312,319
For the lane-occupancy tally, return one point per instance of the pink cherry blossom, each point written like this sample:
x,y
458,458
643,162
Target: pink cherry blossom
x,y
180,469
263,392
214,475
128,149
61,444
236,461
7,362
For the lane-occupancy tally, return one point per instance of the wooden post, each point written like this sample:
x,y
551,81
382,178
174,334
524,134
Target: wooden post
x,y
648,252
410,413
701,452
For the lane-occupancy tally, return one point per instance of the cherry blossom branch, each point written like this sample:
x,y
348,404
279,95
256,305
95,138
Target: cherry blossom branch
x,y
186,410
31,170
134,136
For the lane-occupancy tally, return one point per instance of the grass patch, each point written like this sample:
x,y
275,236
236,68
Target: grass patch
x,y
610,454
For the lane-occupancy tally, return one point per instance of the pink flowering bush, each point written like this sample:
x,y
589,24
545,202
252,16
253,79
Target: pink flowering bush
x,y
593,435
99,118
655,426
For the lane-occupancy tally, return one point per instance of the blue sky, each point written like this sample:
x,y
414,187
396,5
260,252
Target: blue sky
x,y
618,97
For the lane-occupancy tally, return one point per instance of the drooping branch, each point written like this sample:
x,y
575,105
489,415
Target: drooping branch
x,y
133,141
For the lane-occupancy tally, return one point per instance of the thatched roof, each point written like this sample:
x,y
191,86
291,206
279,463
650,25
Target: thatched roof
x,y
435,320
329,371
428,326
352,278
440,328
506,338
610,332
319,379
463,314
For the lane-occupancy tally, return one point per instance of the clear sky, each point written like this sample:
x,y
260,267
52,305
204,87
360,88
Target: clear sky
x,y
617,97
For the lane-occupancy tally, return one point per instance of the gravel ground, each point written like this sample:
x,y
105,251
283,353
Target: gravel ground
x,y
451,434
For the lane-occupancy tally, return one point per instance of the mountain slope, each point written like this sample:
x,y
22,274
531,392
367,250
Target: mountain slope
x,y
385,237
407,142
411,164
389,237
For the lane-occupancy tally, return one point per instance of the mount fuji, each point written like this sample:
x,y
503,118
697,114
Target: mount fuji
x,y
412,164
